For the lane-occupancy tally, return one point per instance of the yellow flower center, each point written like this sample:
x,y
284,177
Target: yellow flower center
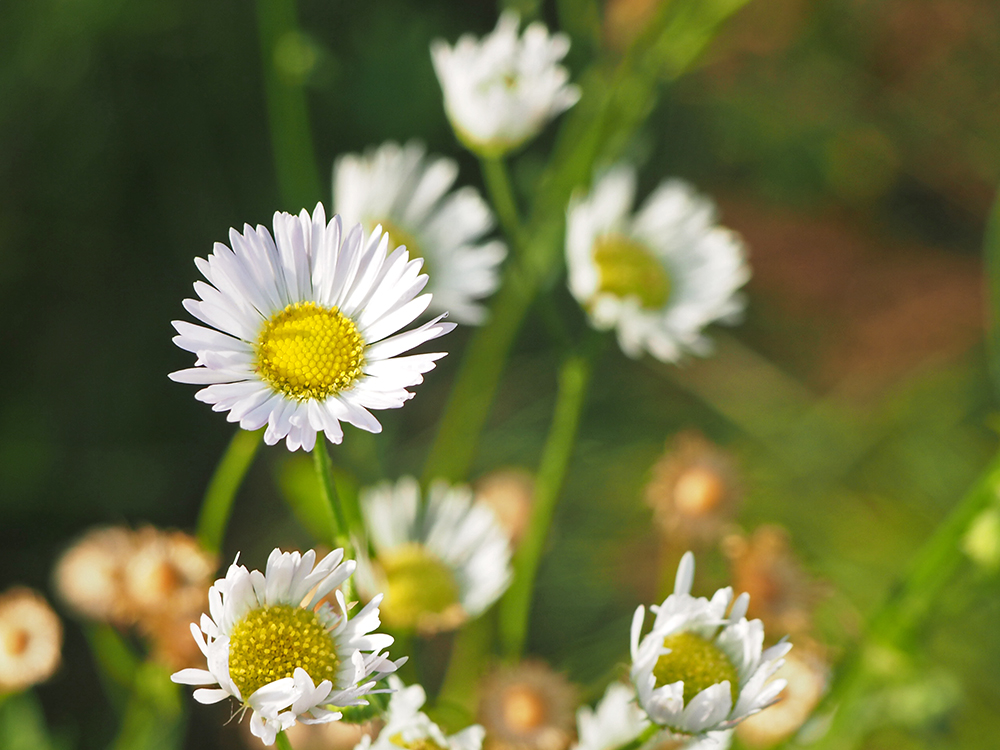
x,y
399,236
269,643
307,351
698,491
629,269
697,661
523,708
418,584
424,743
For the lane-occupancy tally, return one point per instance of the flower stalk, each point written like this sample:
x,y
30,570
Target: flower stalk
x,y
225,483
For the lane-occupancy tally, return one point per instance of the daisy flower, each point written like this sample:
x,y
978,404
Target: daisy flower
x,y
501,91
406,192
301,328
527,706
407,726
700,669
272,645
439,565
658,277
30,640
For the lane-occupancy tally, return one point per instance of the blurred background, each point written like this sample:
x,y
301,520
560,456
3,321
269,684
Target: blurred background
x,y
855,144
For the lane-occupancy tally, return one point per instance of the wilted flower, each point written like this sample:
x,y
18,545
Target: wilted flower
x,y
694,489
301,328
438,566
764,565
274,648
527,707
406,726
406,192
166,571
89,575
658,277
501,91
700,669
510,493
806,672
30,640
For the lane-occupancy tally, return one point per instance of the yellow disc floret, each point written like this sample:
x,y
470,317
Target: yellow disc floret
x,y
418,585
629,269
697,661
307,351
399,236
269,643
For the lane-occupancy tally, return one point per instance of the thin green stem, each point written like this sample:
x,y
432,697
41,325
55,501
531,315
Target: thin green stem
x,y
906,609
282,741
225,483
328,490
502,196
285,55
516,604
642,739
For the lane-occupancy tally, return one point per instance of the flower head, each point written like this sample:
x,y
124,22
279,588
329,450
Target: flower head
x,y
301,328
617,720
30,640
406,726
89,576
702,668
501,91
658,277
406,192
527,706
510,492
270,644
438,566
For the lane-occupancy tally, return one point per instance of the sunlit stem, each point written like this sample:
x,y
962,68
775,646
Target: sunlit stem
x,y
328,490
516,604
225,483
502,197
906,609
282,741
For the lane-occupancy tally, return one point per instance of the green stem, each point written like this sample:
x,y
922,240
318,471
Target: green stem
x,y
288,114
642,739
327,488
282,741
218,503
502,196
905,610
516,604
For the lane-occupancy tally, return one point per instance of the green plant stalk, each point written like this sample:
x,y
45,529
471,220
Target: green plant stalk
x,y
642,739
328,489
502,196
282,741
515,606
899,617
991,261
287,110
217,505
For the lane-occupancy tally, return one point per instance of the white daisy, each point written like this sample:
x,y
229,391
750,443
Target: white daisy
x,y
30,640
301,325
700,669
501,91
438,565
404,190
274,647
406,726
659,276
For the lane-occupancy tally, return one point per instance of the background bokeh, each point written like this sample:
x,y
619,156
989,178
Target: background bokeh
x,y
854,143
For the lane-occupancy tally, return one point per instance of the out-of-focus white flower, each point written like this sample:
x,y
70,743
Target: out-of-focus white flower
x,y
659,276
702,668
301,328
271,645
406,192
406,726
30,640
527,706
438,566
501,91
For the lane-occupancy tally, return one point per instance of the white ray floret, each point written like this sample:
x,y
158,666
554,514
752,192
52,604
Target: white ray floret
x,y
659,276
502,90
304,328
406,191
407,726
340,659
709,636
454,548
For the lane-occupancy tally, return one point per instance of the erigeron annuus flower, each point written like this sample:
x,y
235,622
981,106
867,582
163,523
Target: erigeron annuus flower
x,y
702,668
501,91
30,640
272,645
406,726
658,277
302,325
406,192
437,566
527,706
